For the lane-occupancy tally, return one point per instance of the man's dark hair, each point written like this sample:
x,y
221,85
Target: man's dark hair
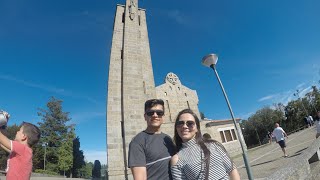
x,y
32,132
153,102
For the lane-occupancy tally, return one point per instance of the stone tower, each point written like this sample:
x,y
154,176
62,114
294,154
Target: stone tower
x,y
130,84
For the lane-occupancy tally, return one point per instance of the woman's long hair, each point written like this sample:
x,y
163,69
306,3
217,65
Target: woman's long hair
x,y
199,140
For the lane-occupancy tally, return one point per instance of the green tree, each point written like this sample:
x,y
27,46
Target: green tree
x,y
86,171
202,116
313,100
256,128
294,113
78,158
65,157
65,162
54,132
96,171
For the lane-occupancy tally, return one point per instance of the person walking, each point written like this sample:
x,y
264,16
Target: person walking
x,y
317,122
279,134
311,120
270,137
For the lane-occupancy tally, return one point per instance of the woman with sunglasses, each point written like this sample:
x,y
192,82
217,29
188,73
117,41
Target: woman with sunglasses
x,y
198,158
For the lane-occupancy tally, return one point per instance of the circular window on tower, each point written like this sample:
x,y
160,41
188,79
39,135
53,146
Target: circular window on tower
x,y
172,78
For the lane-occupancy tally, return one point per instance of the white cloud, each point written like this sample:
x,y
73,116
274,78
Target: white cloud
x,y
92,155
34,85
301,85
267,97
177,16
86,116
246,116
287,96
48,88
304,90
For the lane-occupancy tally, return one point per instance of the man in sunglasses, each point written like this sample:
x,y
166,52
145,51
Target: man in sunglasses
x,y
150,151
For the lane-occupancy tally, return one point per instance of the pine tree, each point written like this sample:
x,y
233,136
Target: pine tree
x,y
54,132
78,158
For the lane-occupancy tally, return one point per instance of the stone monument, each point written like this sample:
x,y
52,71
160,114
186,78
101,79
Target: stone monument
x,y
130,84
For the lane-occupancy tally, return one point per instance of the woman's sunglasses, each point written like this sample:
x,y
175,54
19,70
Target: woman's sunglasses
x,y
180,124
158,112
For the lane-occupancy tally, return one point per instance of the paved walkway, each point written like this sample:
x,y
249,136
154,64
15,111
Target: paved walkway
x,y
266,159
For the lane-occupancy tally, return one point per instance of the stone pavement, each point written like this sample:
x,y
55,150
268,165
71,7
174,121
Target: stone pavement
x,y
266,159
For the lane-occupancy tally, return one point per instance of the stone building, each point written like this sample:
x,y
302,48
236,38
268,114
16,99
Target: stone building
x,y
225,132
176,97
131,83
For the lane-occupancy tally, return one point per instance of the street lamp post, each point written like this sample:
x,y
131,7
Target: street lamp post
x,y
211,61
44,157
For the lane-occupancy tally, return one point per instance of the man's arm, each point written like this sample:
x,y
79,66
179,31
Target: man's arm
x,y
139,173
137,160
5,142
284,133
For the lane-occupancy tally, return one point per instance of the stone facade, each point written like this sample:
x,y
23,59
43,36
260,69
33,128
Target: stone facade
x,y
131,83
176,97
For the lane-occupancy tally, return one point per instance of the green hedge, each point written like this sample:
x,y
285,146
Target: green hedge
x,y
41,171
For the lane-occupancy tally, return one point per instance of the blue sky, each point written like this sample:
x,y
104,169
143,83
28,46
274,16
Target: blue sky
x,y
266,49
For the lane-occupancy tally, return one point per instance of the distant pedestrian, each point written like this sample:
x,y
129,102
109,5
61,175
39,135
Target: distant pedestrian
x,y
270,137
310,120
279,134
306,121
317,122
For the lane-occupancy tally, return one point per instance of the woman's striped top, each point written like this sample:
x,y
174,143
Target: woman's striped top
x,y
191,165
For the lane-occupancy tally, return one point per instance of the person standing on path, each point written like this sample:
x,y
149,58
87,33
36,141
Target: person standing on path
x,y
270,137
279,134
317,122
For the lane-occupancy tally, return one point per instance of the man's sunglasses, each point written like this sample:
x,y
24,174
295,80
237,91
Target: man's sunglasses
x,y
180,124
158,112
